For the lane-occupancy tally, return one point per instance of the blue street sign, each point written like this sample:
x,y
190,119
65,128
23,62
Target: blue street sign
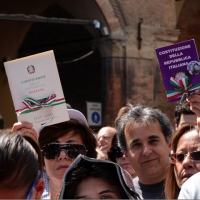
x,y
95,117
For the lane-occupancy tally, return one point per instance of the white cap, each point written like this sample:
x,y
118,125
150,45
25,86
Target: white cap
x,y
75,114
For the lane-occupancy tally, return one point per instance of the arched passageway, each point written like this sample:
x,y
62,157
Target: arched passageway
x,y
81,80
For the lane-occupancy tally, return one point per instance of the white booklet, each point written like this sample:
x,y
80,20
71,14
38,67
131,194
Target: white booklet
x,y
36,90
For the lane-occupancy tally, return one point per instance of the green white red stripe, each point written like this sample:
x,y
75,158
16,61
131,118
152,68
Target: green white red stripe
x,y
182,89
32,104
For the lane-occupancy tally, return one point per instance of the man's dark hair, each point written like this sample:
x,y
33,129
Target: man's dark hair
x,y
182,109
139,114
1,122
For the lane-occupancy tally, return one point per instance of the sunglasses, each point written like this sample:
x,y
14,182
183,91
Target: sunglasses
x,y
51,151
179,157
116,151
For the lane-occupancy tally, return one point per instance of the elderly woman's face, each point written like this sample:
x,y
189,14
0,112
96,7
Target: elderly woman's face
x,y
188,143
57,167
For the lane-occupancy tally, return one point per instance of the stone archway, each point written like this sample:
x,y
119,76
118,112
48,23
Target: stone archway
x,y
109,82
22,41
188,22
109,12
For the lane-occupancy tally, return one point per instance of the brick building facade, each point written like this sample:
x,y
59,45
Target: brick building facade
x,y
123,67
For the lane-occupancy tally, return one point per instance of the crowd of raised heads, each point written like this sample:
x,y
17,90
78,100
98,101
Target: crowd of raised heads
x,y
142,155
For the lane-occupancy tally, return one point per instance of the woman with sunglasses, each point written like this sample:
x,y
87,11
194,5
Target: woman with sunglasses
x,y
61,144
117,155
20,167
185,159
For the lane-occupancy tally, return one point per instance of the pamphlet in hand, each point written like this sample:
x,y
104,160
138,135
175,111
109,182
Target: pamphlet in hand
x,y
180,68
36,90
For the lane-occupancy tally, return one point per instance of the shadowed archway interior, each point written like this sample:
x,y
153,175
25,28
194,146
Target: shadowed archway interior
x,y
81,80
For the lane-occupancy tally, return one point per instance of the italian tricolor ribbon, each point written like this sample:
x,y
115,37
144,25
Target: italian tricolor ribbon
x,y
32,104
181,88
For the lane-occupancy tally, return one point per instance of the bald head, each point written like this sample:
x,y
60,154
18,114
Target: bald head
x,y
105,136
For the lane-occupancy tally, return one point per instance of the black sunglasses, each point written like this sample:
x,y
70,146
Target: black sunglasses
x,y
179,157
116,151
50,151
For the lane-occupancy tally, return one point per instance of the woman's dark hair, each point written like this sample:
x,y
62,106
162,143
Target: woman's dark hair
x,y
51,133
19,164
171,188
97,171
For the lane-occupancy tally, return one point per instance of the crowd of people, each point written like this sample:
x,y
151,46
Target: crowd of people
x,y
141,156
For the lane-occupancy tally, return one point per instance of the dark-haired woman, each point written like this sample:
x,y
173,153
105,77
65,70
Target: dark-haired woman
x,y
61,144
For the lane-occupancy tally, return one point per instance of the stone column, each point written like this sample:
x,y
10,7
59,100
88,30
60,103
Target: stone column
x,y
113,79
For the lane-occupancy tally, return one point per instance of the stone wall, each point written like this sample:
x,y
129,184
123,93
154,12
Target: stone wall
x,y
143,82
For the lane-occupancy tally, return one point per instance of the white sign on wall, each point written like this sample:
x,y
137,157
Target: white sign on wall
x,y
94,113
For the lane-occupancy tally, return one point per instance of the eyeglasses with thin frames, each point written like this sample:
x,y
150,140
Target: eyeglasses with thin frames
x,y
180,157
